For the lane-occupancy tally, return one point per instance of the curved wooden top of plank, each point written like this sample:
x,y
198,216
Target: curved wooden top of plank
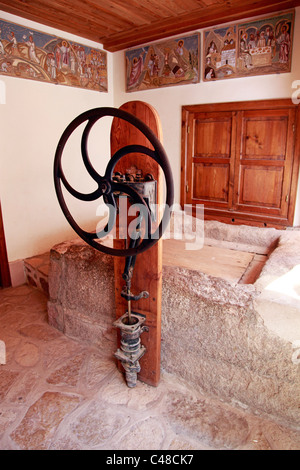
x,y
123,133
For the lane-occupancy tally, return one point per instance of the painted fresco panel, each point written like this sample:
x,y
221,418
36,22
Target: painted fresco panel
x,y
258,47
31,54
167,63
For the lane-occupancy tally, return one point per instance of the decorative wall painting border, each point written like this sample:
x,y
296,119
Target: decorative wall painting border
x,y
31,54
168,63
258,47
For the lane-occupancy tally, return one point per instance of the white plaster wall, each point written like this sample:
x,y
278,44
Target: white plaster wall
x,y
32,119
168,101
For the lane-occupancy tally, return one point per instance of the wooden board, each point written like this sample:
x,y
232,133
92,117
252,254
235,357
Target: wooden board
x,y
5,280
219,262
148,268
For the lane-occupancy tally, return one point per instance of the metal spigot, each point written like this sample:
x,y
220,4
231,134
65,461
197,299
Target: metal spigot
x,y
131,348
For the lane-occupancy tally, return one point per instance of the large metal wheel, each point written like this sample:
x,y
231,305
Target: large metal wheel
x,y
107,187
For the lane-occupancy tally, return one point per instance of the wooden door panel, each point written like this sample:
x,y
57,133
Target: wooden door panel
x,y
261,187
210,182
210,166
212,136
263,168
265,137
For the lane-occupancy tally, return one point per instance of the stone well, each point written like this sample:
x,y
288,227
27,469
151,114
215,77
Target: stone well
x,y
238,342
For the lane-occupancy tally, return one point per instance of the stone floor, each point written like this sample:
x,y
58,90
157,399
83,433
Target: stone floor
x,y
59,394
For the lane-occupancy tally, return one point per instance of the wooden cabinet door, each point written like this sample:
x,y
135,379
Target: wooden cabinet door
x,y
264,161
241,160
211,148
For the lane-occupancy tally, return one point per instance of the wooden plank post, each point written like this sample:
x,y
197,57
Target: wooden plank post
x,y
5,280
148,268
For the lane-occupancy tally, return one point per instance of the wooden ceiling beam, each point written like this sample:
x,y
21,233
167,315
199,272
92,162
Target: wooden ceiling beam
x,y
138,8
121,10
94,11
165,9
204,18
190,5
64,13
119,24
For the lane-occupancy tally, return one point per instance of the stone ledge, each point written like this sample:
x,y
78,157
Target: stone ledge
x,y
37,270
279,285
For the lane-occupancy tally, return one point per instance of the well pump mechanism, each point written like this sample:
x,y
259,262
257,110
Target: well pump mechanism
x,y
131,323
138,189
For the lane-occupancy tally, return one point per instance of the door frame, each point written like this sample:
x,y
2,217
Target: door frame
x,y
5,280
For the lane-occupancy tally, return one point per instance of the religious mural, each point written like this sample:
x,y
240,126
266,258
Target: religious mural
x,y
31,54
167,63
259,47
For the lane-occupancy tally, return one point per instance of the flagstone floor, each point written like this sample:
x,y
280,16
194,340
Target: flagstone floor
x,y
59,394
